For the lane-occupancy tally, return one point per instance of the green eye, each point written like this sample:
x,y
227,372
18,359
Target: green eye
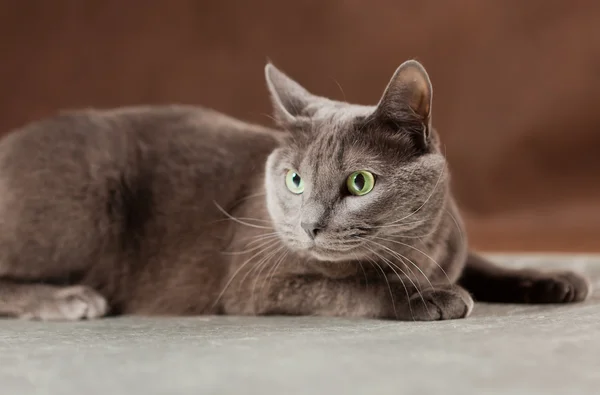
x,y
294,182
360,182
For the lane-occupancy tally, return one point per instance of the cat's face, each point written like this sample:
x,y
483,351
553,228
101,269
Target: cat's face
x,y
350,178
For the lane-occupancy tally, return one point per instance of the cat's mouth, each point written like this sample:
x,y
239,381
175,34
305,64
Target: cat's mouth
x,y
324,253
324,249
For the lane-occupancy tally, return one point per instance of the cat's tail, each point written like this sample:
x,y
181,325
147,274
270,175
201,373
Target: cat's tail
x,y
488,282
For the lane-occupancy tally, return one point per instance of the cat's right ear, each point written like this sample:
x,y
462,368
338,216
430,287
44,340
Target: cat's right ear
x,y
289,98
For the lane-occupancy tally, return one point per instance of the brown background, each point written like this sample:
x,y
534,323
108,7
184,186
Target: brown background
x,y
517,83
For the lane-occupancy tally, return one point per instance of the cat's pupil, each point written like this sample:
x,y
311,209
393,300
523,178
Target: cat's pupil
x,y
359,182
296,179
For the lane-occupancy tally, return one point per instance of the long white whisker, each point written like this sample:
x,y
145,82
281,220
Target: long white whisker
x,y
271,273
249,197
395,255
268,240
254,219
395,224
263,266
238,220
363,270
460,232
258,264
242,219
257,239
418,250
392,265
238,271
395,252
388,284
426,200
259,236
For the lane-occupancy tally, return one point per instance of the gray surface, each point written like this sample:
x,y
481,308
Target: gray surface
x,y
500,349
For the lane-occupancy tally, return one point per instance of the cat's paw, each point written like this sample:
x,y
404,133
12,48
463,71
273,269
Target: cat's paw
x,y
67,304
443,303
557,287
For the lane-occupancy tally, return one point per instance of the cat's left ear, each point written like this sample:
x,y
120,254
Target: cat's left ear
x,y
289,98
408,94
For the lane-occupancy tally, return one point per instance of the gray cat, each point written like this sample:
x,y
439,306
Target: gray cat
x,y
345,211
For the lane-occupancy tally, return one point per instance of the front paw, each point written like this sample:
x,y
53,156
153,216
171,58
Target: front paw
x,y
443,303
67,304
556,287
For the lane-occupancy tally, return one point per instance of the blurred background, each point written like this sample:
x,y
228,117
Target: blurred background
x,y
517,84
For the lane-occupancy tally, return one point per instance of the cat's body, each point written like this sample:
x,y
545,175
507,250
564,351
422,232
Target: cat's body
x,y
181,210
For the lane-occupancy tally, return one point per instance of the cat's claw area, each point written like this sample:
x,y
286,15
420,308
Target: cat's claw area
x,y
558,287
67,304
446,303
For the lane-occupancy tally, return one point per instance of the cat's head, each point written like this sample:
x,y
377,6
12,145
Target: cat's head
x,y
350,177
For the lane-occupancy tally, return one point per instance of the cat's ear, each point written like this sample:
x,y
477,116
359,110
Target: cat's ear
x,y
289,98
408,94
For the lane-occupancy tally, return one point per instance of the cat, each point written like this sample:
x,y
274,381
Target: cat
x,y
342,210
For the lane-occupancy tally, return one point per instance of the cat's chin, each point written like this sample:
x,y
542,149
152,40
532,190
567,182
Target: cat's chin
x,y
315,251
329,255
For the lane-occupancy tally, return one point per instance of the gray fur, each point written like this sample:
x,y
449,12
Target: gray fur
x,y
181,210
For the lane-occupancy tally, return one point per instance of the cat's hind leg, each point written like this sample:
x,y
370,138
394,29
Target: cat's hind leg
x,y
49,302
488,282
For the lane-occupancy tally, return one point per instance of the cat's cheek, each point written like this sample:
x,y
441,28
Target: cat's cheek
x,y
355,205
271,190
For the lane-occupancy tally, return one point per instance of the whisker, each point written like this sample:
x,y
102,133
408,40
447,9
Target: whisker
x,y
395,252
429,197
388,284
341,90
395,224
259,236
420,237
460,232
249,197
256,266
268,240
396,255
363,270
392,266
238,220
269,116
242,219
418,250
263,266
238,271
254,219
274,269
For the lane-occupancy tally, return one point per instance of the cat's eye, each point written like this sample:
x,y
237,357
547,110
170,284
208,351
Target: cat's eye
x,y
294,182
360,182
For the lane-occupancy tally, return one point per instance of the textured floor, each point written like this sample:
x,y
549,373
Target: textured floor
x,y
499,350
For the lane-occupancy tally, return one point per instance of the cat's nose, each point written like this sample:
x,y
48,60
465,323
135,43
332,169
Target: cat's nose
x,y
311,228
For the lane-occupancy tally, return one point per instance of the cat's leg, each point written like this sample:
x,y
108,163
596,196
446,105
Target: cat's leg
x,y
62,210
50,303
491,283
314,295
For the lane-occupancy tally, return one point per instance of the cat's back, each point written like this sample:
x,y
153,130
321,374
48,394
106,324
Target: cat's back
x,y
105,137
119,180
126,124
79,163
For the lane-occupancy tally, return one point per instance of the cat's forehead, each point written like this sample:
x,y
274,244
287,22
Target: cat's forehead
x,y
334,125
340,137
339,147
334,112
